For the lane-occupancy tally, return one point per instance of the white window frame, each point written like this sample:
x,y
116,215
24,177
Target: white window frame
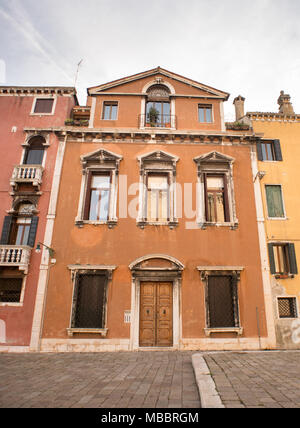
x,y
215,163
54,97
79,270
159,162
287,297
99,161
20,303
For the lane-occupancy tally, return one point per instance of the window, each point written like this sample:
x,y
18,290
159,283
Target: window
x,y
215,190
157,197
89,301
157,189
20,228
221,298
269,150
10,289
98,194
98,197
222,301
43,105
287,307
110,110
274,201
216,198
35,151
205,113
158,108
282,258
158,114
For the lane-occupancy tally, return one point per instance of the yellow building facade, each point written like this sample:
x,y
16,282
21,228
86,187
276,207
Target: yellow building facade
x,y
278,161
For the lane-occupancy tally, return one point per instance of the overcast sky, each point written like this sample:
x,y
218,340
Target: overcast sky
x,y
249,48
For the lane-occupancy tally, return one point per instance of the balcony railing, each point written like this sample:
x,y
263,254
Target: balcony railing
x,y
15,256
27,174
160,121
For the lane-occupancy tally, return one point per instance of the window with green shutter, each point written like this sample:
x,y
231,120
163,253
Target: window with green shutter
x,y
282,258
274,201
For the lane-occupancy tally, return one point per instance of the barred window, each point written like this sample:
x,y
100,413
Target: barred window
x,y
222,303
287,307
10,289
89,301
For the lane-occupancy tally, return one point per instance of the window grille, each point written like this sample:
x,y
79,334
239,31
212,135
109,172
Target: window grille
x,y
89,301
287,307
222,301
10,289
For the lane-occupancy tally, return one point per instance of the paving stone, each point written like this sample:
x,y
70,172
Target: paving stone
x,y
121,379
263,379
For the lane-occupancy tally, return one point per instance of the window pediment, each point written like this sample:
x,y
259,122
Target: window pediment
x,y
101,157
214,157
158,158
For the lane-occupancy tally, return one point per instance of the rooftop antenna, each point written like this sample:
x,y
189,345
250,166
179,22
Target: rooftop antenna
x,y
76,75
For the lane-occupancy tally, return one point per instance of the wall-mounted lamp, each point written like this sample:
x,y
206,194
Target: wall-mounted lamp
x,y
260,175
38,249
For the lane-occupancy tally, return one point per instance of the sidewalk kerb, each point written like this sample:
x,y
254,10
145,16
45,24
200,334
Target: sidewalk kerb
x,y
209,396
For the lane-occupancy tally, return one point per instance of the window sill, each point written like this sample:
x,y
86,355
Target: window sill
x,y
277,218
237,330
41,114
102,331
284,276
109,223
231,225
15,304
143,223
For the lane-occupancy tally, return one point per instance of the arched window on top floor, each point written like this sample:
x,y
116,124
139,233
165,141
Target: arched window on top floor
x,y
158,107
34,153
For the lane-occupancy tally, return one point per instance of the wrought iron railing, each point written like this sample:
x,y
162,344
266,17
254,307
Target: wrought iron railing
x,y
159,121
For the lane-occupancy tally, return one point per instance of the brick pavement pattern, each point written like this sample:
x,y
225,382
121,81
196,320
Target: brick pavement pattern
x,y
256,379
98,380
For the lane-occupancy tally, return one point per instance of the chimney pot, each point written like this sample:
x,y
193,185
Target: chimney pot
x,y
285,105
239,107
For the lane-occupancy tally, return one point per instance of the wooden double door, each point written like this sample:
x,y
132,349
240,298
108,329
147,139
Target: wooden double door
x,y
156,314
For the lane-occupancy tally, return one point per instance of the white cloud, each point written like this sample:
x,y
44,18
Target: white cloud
x,y
247,48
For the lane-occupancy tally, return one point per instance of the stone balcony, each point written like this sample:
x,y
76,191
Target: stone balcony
x,y
15,256
24,174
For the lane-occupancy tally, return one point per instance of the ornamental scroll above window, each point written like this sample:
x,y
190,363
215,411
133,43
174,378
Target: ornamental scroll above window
x,y
98,193
216,190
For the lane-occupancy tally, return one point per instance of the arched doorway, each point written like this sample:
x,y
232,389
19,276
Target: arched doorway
x,y
155,322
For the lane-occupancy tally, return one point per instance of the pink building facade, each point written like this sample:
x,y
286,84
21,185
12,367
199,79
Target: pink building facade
x,y
28,159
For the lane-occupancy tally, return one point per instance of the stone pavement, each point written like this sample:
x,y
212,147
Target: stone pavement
x,y
150,379
263,379
104,380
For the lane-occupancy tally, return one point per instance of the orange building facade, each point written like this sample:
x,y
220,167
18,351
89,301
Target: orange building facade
x,y
156,232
